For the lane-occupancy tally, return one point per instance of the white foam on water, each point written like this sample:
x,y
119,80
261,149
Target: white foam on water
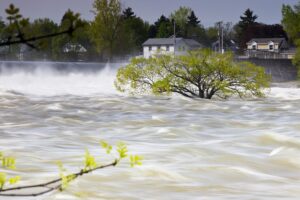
x,y
284,93
258,174
276,151
45,81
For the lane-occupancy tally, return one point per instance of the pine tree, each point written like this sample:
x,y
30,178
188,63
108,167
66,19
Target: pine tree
x,y
248,18
128,13
13,13
193,20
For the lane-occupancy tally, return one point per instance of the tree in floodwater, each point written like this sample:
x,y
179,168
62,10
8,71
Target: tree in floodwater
x,y
106,26
291,24
199,74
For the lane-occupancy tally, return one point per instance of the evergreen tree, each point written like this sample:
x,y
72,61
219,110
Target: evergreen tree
x,y
248,18
193,20
128,13
134,33
13,13
164,27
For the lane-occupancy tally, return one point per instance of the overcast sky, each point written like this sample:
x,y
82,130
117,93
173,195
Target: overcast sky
x,y
208,11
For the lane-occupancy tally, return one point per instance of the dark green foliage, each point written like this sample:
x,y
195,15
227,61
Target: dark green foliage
x,y
117,32
134,31
291,24
13,13
45,46
128,13
163,27
247,20
69,18
193,20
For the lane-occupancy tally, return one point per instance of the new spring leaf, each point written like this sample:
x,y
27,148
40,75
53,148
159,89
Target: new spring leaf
x,y
122,149
2,180
90,162
135,160
106,146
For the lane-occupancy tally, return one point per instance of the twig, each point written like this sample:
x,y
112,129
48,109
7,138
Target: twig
x,y
26,41
50,189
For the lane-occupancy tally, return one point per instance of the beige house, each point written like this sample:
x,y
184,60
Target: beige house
x,y
267,44
269,48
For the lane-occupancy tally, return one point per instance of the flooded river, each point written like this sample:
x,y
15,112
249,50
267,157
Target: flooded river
x,y
192,149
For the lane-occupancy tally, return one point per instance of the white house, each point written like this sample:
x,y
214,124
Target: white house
x,y
74,47
176,46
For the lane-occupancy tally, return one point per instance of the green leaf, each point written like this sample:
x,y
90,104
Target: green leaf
x,y
106,146
2,179
90,162
122,149
14,180
9,162
60,166
135,160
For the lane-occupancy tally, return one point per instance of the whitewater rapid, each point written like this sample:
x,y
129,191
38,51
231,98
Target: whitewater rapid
x,y
45,80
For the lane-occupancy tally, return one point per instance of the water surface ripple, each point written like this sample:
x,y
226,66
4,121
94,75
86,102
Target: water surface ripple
x,y
193,149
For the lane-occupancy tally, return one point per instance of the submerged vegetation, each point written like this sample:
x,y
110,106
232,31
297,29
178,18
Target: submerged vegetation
x,y
61,183
200,74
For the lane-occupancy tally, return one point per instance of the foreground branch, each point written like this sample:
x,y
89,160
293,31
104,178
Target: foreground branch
x,y
26,41
47,185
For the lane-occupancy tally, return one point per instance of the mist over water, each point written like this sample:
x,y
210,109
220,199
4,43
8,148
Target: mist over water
x,y
193,149
50,79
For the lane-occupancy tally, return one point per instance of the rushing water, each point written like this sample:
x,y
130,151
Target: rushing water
x,y
192,149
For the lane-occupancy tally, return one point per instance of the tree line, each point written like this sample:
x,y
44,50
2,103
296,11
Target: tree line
x,y
117,32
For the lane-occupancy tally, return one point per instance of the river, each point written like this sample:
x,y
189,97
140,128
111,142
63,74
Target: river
x,y
192,149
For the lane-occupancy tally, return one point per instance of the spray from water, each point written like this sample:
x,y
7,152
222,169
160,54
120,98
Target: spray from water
x,y
50,79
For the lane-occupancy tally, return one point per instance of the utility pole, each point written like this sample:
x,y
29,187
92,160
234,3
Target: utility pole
x,y
221,37
174,35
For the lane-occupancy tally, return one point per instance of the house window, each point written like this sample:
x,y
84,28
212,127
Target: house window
x,y
167,48
271,47
181,48
254,47
150,48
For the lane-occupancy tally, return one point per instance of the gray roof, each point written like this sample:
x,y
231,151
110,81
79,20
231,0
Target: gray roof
x,y
266,40
192,43
170,41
